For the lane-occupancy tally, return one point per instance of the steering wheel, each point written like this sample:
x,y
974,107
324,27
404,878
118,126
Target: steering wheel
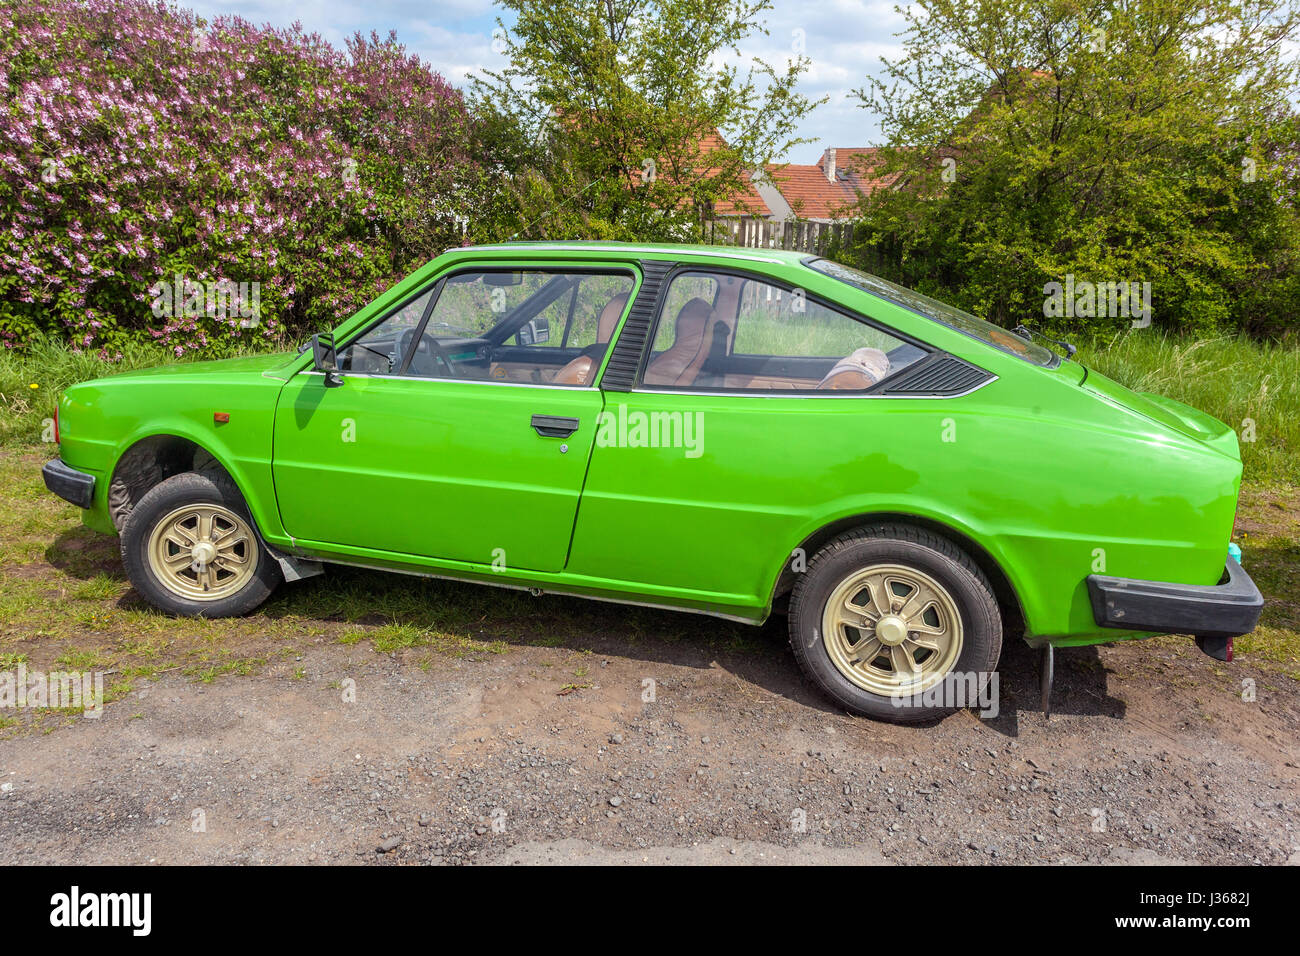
x,y
426,345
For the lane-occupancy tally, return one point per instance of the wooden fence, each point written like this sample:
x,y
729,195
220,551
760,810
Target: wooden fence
x,y
755,232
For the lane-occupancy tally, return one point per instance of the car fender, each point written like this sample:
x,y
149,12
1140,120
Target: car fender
x,y
251,475
961,529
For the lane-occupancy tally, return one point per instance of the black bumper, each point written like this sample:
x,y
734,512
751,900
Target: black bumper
x,y
1220,610
68,483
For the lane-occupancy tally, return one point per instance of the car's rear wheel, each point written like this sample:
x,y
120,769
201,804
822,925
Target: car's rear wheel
x,y
190,549
896,623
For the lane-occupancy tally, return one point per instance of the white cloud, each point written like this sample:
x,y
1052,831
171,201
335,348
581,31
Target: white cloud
x,y
843,38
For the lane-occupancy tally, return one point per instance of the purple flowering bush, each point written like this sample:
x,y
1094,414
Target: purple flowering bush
x,y
149,160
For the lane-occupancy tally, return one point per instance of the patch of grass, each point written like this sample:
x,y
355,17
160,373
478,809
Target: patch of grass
x,y
397,636
1268,530
1237,380
118,690
241,666
100,587
79,660
1272,645
149,649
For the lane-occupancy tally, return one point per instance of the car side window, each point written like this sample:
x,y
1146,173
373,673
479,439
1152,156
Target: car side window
x,y
735,333
593,294
533,326
376,351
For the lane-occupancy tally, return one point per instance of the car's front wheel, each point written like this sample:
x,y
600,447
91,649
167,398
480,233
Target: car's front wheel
x,y
190,549
896,623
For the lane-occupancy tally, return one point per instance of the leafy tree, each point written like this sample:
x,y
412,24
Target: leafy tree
x,y
616,105
1111,140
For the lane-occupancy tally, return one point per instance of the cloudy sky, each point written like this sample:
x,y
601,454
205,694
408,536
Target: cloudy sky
x,y
844,39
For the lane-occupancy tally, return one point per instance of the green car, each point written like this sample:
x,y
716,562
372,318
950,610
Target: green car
x,y
712,429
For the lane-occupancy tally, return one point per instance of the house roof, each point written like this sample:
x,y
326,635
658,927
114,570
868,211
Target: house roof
x,y
748,203
810,194
859,164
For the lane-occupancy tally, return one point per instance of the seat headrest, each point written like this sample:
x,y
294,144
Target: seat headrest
x,y
691,320
608,318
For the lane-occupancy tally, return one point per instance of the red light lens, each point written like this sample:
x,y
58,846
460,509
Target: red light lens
x,y
221,417
56,424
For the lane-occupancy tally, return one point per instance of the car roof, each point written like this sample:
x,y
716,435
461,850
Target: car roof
x,y
648,249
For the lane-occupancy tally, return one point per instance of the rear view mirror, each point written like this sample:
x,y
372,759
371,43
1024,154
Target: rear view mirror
x,y
503,278
325,358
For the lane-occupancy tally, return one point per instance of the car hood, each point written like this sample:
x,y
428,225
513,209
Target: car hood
x,y
250,364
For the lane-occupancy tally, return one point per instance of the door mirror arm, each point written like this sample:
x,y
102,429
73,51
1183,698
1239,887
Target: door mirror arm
x,y
325,358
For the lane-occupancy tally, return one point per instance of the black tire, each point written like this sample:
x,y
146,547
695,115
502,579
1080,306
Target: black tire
x,y
194,488
909,547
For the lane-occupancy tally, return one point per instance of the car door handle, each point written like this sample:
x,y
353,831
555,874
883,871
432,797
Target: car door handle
x,y
553,426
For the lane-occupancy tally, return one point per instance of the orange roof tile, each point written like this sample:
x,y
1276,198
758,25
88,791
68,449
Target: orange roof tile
x,y
810,194
858,165
748,203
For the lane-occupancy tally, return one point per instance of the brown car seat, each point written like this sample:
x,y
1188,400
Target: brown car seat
x,y
681,361
581,369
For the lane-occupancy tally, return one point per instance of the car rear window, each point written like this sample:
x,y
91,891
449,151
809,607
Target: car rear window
x,y
937,311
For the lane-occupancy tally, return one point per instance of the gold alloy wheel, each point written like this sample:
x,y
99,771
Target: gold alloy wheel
x,y
892,630
202,552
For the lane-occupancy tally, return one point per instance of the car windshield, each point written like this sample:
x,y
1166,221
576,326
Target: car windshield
x,y
938,311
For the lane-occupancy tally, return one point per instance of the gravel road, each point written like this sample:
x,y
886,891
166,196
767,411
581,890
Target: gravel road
x,y
544,755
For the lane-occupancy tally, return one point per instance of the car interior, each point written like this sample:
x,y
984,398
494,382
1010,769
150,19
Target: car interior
x,y
704,354
560,329
582,370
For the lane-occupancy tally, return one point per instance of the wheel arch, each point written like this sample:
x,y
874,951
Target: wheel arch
x,y
1004,589
147,459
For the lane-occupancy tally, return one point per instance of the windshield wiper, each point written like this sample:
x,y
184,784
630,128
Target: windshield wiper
x,y
1025,332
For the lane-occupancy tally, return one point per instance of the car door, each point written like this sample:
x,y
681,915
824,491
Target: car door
x,y
756,408
447,438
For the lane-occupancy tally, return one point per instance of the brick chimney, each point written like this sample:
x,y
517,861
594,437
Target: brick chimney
x,y
828,165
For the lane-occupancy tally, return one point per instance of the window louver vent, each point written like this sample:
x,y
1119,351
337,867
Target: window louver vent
x,y
941,375
620,374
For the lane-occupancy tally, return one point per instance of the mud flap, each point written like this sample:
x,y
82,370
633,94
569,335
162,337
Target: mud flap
x,y
1220,648
1046,672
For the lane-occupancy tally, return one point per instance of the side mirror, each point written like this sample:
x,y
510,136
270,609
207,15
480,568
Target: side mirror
x,y
534,332
324,357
